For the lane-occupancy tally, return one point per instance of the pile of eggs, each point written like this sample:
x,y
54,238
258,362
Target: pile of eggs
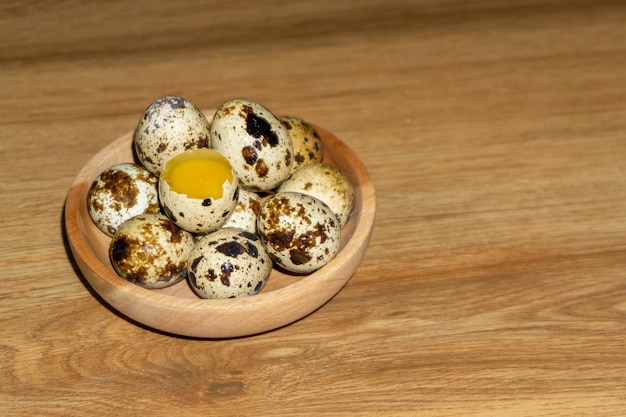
x,y
220,203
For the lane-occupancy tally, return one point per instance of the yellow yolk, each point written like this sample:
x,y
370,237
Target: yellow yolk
x,y
198,173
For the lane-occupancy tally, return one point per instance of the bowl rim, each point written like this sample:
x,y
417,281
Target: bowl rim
x,y
363,228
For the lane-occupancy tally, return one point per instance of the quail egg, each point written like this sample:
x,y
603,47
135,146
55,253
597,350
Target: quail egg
x,y
307,144
245,213
300,233
119,193
326,183
228,263
255,141
198,190
169,126
151,251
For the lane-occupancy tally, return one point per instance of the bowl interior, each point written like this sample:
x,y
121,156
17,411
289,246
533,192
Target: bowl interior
x,y
90,247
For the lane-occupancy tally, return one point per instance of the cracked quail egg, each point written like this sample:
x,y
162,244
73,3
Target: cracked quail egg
x,y
121,192
326,183
169,126
300,232
228,263
198,190
307,144
151,251
255,141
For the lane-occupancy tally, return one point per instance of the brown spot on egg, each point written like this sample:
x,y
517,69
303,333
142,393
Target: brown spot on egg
x,y
172,273
231,249
211,275
252,250
132,256
280,239
120,185
197,143
227,269
176,102
259,127
120,249
248,235
176,233
229,109
203,142
249,155
261,168
320,229
255,206
299,257
195,262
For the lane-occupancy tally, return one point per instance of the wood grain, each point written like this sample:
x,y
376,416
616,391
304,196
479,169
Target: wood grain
x,y
494,132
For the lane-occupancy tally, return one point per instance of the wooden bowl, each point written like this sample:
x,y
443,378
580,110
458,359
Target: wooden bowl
x,y
176,309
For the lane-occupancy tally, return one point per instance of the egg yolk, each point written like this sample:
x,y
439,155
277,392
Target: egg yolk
x,y
198,173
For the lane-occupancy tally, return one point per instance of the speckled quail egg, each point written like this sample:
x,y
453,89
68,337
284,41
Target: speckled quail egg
x,y
245,214
300,233
198,190
255,141
228,263
121,192
151,251
307,144
169,126
326,183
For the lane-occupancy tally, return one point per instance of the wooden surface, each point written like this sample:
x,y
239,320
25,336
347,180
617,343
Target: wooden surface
x,y
495,134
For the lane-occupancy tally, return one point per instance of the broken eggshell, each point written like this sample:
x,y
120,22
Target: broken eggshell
x,y
198,213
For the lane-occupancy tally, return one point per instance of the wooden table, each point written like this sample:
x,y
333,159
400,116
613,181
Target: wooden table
x,y
494,131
